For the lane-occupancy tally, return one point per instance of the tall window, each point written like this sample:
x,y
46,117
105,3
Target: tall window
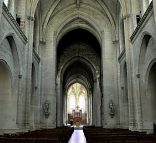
x,y
72,103
77,98
82,103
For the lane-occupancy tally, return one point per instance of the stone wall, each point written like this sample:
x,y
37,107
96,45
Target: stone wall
x,y
125,64
144,54
12,52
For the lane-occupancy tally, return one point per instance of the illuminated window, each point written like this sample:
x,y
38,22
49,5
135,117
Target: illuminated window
x,y
6,2
76,98
150,1
82,103
72,104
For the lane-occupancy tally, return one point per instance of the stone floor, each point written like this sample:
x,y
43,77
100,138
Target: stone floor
x,y
77,137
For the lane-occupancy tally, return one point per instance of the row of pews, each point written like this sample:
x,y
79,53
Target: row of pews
x,y
56,135
103,135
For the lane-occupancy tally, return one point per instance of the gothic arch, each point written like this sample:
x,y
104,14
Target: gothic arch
x,y
150,113
81,79
7,67
15,51
34,3
141,65
71,61
37,29
15,65
90,24
107,17
143,49
76,69
87,24
146,70
77,79
8,106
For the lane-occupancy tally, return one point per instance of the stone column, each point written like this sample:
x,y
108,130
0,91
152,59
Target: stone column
x,y
145,4
103,115
90,105
137,99
20,108
94,105
128,28
38,97
121,39
116,45
134,76
21,12
42,45
12,8
1,8
98,102
59,103
154,7
28,59
48,60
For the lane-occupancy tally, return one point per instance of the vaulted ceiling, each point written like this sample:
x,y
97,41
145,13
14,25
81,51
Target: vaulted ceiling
x,y
49,8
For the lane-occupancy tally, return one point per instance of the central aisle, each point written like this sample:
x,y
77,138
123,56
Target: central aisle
x,y
77,137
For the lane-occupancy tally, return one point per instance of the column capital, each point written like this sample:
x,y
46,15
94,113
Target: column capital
x,y
126,16
31,18
1,7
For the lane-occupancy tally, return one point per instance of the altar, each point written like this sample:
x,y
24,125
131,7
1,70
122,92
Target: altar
x,y
77,118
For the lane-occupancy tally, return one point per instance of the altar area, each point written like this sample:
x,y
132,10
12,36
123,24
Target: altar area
x,y
77,105
77,118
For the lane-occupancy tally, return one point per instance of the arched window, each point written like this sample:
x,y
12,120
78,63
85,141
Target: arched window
x,y
72,103
77,96
82,103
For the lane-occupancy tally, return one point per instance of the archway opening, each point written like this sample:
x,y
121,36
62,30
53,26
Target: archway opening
x,y
6,99
78,77
144,93
151,94
78,64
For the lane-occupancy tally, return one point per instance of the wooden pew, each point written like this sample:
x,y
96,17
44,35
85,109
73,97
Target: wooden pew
x,y
57,135
103,135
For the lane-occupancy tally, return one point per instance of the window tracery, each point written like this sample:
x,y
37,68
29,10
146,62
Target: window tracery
x,y
77,97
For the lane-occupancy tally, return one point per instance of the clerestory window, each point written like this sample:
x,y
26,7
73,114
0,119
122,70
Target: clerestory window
x,y
149,1
6,2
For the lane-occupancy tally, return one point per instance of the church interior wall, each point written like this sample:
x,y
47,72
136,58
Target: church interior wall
x,y
109,59
36,85
143,54
12,53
